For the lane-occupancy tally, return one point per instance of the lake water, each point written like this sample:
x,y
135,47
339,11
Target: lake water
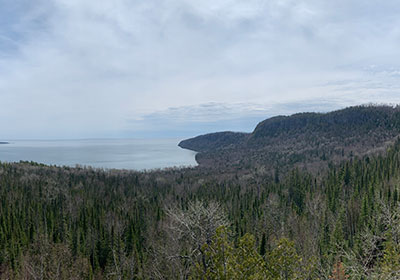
x,y
135,154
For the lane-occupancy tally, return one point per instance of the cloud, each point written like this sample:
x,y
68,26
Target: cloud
x,y
73,68
189,121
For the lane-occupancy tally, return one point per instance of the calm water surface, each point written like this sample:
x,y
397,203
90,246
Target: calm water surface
x,y
135,154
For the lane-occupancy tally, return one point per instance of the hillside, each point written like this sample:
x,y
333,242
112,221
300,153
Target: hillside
x,y
308,139
195,223
214,141
216,223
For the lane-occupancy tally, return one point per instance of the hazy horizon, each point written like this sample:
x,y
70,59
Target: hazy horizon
x,y
188,133
134,154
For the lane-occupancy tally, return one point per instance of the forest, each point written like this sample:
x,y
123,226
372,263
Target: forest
x,y
342,222
303,139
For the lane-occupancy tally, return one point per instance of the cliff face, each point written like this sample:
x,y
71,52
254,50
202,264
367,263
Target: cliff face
x,y
312,139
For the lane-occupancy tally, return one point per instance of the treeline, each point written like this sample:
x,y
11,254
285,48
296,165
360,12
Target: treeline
x,y
303,139
82,223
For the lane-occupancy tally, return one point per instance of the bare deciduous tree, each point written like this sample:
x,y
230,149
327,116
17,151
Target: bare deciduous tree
x,y
187,231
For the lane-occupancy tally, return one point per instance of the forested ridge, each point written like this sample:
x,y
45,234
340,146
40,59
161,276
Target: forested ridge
x,y
202,223
302,139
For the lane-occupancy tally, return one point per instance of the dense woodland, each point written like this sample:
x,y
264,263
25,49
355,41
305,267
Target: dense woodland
x,y
304,139
342,222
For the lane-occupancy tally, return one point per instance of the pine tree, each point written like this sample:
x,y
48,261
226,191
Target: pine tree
x,y
263,245
284,262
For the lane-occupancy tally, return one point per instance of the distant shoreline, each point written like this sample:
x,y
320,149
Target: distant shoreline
x,y
4,143
130,154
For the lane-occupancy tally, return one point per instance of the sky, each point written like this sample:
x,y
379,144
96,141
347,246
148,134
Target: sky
x,y
178,68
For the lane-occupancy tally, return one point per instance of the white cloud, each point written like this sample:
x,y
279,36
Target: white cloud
x,y
85,69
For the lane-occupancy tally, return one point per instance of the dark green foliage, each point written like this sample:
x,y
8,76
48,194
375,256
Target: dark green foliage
x,y
263,245
304,139
115,224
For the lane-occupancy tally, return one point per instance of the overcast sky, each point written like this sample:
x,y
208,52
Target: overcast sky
x,y
177,68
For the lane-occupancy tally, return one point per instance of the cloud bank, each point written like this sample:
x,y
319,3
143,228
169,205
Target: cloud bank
x,y
75,69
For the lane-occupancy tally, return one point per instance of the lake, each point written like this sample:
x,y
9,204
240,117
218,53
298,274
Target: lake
x,y
137,154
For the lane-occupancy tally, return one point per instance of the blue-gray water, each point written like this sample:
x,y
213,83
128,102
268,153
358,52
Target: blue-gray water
x,y
116,153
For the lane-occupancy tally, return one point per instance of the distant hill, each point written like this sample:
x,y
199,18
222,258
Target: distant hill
x,y
308,139
214,141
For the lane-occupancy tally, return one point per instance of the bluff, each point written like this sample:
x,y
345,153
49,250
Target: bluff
x,y
306,139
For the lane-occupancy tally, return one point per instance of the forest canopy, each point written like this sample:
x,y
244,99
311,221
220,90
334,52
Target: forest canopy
x,y
203,223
